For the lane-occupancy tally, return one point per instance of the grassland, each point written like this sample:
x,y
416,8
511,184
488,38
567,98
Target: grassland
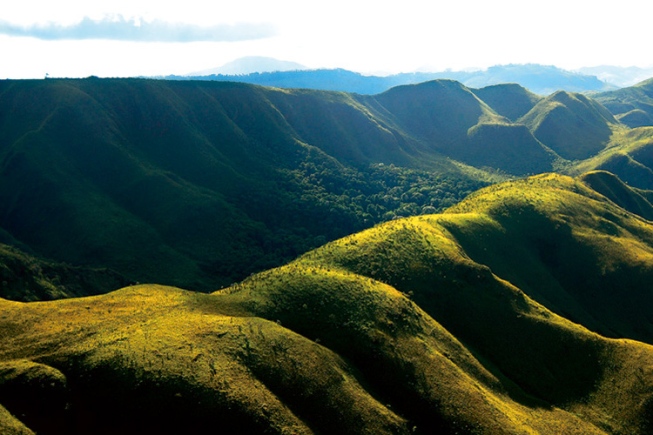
x,y
521,310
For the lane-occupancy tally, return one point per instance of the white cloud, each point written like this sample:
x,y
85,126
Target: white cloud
x,y
135,29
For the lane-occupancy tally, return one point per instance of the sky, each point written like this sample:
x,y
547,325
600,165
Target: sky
x,y
123,38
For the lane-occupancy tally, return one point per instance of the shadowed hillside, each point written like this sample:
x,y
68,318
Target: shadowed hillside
x,y
509,100
26,278
633,105
632,199
451,323
629,155
572,125
199,184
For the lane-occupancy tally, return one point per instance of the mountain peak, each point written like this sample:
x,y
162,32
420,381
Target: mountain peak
x,y
251,64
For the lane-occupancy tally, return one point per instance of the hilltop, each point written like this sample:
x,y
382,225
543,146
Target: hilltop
x,y
489,318
633,105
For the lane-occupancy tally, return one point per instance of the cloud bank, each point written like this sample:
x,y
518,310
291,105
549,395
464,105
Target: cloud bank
x,y
121,29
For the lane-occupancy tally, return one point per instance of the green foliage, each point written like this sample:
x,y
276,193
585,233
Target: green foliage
x,y
628,155
477,320
509,100
27,278
201,184
633,105
572,125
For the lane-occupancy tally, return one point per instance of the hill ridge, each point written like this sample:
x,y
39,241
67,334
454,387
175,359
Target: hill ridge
x,y
418,325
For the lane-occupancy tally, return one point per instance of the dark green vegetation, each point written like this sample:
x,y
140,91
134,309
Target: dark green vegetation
x,y
26,278
490,318
199,184
522,309
633,106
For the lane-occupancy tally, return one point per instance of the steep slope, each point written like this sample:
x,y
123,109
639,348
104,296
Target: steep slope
x,y
452,119
630,198
633,105
572,125
198,184
507,147
629,155
450,323
567,247
510,100
440,111
24,277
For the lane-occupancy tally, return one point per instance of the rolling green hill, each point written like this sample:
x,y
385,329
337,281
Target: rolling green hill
x,y
633,106
629,155
510,100
451,118
490,318
572,125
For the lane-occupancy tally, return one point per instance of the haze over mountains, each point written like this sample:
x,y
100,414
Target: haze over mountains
x,y
540,79
434,258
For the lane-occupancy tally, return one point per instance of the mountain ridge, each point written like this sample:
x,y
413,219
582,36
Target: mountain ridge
x,y
217,180
406,327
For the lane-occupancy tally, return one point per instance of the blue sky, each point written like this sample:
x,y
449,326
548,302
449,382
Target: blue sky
x,y
118,38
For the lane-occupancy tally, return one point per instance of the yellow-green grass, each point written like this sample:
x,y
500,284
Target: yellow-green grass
x,y
430,324
627,155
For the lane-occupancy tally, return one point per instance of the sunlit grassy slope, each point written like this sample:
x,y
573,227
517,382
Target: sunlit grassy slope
x,y
633,105
629,155
490,318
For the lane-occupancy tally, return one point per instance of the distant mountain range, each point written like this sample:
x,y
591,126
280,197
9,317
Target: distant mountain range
x,y
540,79
251,64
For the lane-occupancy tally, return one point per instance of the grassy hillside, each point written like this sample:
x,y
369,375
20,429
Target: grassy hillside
x,y
484,319
507,147
440,112
629,155
630,198
572,125
198,184
453,120
633,105
24,277
510,100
